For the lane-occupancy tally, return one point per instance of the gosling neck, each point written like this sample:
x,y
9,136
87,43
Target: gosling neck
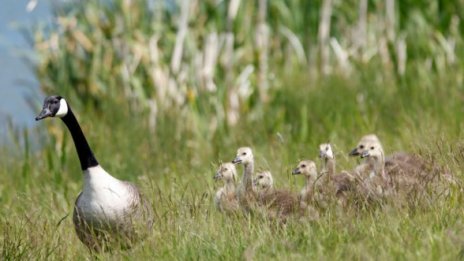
x,y
229,186
248,169
310,179
377,165
329,166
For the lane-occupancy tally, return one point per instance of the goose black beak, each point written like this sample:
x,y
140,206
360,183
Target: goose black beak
x,y
237,161
365,154
354,152
296,171
43,114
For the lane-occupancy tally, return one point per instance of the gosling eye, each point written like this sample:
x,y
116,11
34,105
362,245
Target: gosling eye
x,y
244,153
303,166
260,177
226,169
326,148
372,147
361,146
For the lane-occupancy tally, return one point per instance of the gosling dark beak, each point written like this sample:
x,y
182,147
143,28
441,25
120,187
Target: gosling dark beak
x,y
365,154
44,114
321,154
217,176
354,152
236,160
296,171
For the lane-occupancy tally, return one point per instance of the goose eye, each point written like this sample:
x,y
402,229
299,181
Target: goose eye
x,y
372,147
361,146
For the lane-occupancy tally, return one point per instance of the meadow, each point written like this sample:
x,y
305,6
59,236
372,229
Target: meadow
x,y
165,120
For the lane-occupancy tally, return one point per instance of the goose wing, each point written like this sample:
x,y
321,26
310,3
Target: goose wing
x,y
140,209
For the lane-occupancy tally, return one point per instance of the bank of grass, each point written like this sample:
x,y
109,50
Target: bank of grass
x,y
39,185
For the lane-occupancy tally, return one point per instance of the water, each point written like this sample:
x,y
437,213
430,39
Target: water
x,y
17,79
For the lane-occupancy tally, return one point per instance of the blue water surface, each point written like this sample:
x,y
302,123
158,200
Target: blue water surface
x,y
17,81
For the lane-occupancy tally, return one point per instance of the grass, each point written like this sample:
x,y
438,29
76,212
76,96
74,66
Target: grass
x,y
172,151
39,184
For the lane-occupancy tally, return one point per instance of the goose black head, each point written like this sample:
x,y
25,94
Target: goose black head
x,y
54,106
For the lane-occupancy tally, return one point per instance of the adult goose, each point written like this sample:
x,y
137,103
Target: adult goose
x,y
108,212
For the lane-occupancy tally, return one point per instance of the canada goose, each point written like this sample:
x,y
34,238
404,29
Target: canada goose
x,y
401,172
245,192
374,182
336,183
328,158
411,174
278,203
263,182
108,210
225,199
308,169
363,144
309,194
370,149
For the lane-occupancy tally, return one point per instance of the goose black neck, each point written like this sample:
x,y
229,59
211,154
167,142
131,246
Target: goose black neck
x,y
84,152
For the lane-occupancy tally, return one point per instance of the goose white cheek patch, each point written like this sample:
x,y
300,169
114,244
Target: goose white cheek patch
x,y
63,110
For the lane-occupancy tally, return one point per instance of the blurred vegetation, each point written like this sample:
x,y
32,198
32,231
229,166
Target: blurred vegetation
x,y
225,61
165,90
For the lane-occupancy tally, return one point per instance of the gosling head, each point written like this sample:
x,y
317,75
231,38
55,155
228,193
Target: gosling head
x,y
306,168
227,172
54,106
263,180
363,144
373,150
244,156
325,151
